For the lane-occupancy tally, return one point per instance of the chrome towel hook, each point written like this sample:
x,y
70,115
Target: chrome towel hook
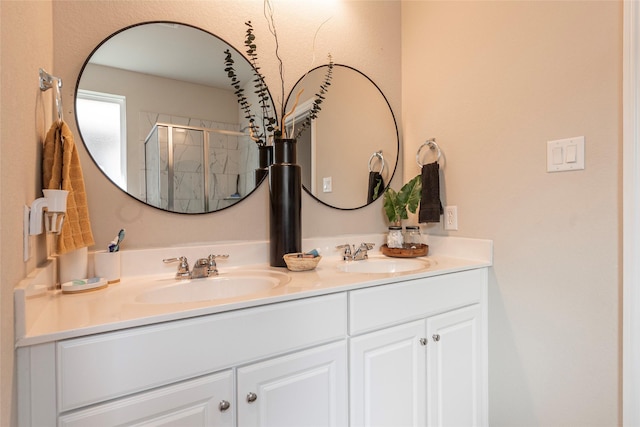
x,y
431,144
377,154
46,83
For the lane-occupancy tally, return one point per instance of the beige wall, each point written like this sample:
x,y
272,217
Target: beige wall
x,y
59,35
25,113
493,81
372,51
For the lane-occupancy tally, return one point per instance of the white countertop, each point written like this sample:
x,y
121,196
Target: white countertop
x,y
48,315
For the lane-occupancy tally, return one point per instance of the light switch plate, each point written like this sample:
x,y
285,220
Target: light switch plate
x,y
565,154
327,184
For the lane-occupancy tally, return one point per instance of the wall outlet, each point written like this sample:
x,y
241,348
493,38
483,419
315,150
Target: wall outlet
x,y
451,218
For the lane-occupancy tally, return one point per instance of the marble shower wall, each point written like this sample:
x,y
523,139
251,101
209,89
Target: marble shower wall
x,y
232,162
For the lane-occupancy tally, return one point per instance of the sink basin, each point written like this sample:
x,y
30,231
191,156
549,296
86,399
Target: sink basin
x,y
385,265
220,287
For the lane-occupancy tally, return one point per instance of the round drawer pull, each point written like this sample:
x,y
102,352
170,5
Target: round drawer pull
x,y
251,397
436,337
224,405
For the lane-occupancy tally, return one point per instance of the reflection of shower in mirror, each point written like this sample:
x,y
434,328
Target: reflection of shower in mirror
x,y
192,169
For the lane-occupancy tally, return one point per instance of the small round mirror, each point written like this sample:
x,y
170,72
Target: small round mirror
x,y
349,153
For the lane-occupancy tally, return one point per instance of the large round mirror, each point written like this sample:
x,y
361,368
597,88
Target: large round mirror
x,y
159,116
349,153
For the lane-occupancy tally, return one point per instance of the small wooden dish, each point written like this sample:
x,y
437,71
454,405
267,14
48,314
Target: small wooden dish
x,y
408,251
295,262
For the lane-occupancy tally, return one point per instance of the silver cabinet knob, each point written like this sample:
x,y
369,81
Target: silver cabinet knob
x,y
251,397
436,337
423,341
224,405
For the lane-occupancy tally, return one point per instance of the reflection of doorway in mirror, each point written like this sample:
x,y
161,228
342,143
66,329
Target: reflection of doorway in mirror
x,y
305,158
102,122
306,143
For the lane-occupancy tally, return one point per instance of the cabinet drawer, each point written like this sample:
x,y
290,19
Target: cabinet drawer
x,y
106,366
381,306
191,403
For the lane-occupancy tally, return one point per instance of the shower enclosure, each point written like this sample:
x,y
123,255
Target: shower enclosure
x,y
192,169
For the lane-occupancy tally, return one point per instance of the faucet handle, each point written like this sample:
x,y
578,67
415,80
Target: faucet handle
x,y
361,252
212,258
183,268
183,261
346,248
213,267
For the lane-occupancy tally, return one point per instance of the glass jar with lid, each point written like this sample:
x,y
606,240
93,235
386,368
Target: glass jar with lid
x,y
412,236
394,237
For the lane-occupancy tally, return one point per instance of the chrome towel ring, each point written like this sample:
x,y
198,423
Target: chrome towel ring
x,y
46,83
431,144
377,154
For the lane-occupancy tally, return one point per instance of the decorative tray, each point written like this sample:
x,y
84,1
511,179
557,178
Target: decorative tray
x,y
408,251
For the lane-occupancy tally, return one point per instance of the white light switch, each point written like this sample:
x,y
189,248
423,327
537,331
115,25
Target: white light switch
x,y
572,153
565,154
557,155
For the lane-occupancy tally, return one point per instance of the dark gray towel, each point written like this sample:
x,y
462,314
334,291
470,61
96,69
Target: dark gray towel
x,y
376,186
430,205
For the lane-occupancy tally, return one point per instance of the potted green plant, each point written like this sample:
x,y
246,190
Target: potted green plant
x,y
398,204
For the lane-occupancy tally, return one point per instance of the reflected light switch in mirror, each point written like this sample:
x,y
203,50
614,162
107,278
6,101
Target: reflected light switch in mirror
x,y
327,186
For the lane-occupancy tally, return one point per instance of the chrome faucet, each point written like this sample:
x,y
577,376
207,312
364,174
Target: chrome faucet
x,y
201,269
183,267
207,266
355,254
204,267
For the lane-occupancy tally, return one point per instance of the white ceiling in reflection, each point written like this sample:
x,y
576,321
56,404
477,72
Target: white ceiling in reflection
x,y
164,54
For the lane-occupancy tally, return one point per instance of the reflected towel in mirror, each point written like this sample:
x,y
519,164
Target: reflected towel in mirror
x,y
375,187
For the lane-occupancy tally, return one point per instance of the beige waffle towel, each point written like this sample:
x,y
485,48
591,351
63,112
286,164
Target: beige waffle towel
x,y
61,170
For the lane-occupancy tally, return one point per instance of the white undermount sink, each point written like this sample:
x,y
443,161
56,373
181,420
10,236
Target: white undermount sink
x,y
224,286
385,265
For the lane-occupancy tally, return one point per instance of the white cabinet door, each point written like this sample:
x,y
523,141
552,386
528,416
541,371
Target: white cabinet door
x,y
387,373
306,388
455,368
206,401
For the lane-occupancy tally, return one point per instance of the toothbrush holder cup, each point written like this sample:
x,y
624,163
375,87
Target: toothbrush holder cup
x,y
107,265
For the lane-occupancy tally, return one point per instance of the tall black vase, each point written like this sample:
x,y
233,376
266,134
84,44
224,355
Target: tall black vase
x,y
285,197
265,159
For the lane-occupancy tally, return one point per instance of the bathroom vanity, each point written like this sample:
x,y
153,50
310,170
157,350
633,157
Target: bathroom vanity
x,y
323,348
